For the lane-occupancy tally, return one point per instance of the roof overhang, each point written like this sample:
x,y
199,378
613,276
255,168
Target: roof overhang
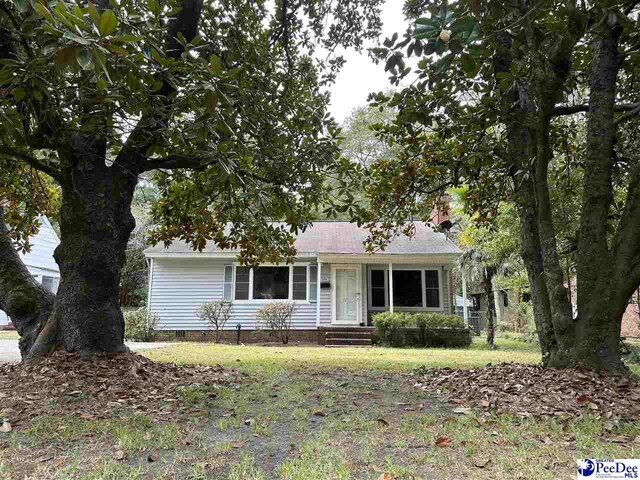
x,y
386,258
215,255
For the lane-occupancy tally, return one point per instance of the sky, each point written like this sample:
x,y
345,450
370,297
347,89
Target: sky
x,y
360,76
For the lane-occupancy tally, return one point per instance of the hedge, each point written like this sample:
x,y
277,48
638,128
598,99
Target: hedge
x,y
423,329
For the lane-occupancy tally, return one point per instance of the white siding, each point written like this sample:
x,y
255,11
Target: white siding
x,y
181,286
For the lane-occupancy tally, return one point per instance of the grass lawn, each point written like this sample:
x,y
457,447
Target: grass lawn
x,y
9,335
310,413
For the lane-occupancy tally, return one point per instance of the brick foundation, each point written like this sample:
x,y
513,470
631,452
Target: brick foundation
x,y
231,336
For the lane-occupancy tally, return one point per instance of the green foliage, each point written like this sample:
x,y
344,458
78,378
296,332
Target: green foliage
x,y
423,329
228,102
216,315
140,325
277,317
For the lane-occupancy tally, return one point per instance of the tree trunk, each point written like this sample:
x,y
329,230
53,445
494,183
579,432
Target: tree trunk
x,y
491,306
95,224
21,296
598,326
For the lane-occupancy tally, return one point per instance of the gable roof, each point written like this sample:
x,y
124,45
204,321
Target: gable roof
x,y
336,237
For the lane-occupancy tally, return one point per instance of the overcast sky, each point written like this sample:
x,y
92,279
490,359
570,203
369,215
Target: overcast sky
x,y
360,76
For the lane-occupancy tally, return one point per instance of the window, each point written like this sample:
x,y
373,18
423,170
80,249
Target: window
x,y
407,288
228,283
412,288
242,283
378,288
432,288
50,283
271,283
296,282
313,283
299,283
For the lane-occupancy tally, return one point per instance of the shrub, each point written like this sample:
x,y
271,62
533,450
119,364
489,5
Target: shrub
x,y
423,329
277,317
140,325
216,314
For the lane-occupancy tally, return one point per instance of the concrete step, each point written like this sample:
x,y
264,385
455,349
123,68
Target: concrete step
x,y
346,341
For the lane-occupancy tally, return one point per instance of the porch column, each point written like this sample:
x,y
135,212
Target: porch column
x,y
318,277
465,309
391,287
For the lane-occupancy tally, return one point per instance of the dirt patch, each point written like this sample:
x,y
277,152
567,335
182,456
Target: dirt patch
x,y
64,384
527,390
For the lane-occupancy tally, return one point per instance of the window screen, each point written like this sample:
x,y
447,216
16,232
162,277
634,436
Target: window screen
x,y
407,288
378,292
313,283
299,283
270,283
242,283
228,283
432,288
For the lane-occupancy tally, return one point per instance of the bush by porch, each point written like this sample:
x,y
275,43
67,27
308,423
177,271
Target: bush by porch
x,y
403,329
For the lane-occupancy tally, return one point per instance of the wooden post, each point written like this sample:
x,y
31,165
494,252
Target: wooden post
x,y
318,278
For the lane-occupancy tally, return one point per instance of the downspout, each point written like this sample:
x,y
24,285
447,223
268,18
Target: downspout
x,y
149,283
318,278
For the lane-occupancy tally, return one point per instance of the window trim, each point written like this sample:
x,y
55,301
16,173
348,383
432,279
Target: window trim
x,y
420,268
268,300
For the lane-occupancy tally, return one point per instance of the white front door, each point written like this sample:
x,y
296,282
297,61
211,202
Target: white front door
x,y
346,294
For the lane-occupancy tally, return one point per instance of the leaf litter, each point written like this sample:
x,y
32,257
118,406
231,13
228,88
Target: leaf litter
x,y
528,390
64,384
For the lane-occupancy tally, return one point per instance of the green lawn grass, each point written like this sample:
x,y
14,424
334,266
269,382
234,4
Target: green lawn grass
x,y
297,357
314,413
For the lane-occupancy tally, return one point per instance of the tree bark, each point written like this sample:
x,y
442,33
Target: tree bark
x,y
597,328
95,224
21,296
489,272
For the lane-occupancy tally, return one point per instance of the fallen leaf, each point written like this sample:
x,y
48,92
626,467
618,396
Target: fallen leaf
x,y
319,413
485,403
459,401
5,427
462,411
386,476
119,455
482,463
154,457
44,458
582,399
382,422
249,421
443,442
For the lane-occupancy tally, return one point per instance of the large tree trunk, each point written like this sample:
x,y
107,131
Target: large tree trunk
x,y
597,330
95,224
21,296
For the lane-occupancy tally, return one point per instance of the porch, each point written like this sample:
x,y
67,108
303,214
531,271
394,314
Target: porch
x,y
352,289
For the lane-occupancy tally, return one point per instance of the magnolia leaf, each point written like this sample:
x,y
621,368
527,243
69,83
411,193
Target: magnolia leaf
x,y
93,13
65,56
212,102
76,38
117,50
108,23
18,93
42,10
85,59
469,66
126,38
216,64
5,427
443,442
21,5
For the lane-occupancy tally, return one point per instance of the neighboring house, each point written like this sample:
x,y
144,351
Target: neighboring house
x,y
334,282
39,261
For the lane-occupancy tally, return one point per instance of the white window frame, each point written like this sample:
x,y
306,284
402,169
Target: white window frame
x,y
422,269
267,300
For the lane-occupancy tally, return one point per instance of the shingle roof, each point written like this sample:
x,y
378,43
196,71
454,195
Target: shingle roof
x,y
345,238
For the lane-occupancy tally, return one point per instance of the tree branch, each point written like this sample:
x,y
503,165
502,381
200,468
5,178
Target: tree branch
x,y
141,138
33,161
177,161
573,109
628,115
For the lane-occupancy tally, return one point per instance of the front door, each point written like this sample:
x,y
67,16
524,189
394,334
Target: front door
x,y
346,294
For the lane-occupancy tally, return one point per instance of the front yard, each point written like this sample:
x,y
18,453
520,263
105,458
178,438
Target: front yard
x,y
317,413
